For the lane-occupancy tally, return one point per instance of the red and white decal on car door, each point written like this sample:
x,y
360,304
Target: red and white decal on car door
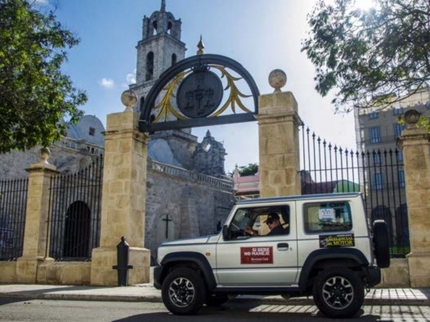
x,y
256,255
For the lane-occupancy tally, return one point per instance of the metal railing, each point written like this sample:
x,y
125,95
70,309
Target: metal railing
x,y
218,183
379,175
75,212
13,204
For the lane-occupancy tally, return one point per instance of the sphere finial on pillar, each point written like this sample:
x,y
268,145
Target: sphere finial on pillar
x,y
44,154
277,79
129,99
412,117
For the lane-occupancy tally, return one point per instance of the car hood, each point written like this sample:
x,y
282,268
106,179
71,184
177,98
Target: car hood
x,y
187,241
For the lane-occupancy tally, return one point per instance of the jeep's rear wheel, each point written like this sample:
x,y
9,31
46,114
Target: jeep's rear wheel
x,y
381,243
338,292
183,291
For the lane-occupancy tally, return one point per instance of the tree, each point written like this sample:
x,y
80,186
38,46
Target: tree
x,y
35,97
373,57
249,170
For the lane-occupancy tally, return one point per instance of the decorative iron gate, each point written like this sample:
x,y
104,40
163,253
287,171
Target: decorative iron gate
x,y
379,175
75,212
13,205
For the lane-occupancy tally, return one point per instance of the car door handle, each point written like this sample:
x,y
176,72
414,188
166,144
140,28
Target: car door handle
x,y
283,245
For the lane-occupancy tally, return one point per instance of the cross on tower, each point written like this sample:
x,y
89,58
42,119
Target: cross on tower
x,y
163,5
167,219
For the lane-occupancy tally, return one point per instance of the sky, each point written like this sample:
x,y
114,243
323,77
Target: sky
x,y
260,35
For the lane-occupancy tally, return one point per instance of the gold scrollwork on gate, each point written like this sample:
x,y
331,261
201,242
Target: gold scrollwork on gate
x,y
165,107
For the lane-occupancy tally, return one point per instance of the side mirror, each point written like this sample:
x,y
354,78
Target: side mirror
x,y
226,233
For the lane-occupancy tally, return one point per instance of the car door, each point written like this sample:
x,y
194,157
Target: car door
x,y
258,260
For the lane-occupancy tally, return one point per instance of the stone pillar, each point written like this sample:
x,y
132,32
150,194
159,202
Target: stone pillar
x,y
36,234
123,201
279,123
415,144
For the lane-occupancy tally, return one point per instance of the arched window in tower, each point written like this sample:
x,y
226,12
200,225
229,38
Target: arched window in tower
x,y
154,27
169,27
174,59
149,66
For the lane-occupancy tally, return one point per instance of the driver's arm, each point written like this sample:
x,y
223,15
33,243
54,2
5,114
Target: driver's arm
x,y
251,231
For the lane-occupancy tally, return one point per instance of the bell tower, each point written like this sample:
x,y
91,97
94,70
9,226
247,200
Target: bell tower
x,y
160,48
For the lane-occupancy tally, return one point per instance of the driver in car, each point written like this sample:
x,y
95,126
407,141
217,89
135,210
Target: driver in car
x,y
274,225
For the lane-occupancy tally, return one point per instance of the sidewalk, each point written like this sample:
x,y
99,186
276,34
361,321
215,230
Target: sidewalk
x,y
147,293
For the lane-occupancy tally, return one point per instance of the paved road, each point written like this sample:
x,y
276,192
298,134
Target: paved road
x,y
73,311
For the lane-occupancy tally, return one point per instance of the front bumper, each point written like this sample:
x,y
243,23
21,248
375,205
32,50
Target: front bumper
x,y
157,276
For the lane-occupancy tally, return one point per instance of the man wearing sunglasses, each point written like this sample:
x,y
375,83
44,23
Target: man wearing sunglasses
x,y
274,225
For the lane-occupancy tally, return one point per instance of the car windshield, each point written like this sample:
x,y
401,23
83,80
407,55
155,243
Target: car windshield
x,y
241,219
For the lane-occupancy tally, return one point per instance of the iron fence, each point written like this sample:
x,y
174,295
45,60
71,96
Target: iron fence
x,y
13,204
75,212
378,174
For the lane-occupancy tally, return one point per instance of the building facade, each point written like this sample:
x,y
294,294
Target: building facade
x,y
188,193
377,133
378,129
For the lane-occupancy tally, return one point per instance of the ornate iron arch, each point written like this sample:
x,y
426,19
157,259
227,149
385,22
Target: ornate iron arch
x,y
186,74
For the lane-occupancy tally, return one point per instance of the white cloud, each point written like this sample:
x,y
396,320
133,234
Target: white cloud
x,y
107,83
131,77
42,1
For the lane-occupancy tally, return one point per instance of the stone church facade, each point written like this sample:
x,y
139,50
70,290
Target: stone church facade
x,y
188,193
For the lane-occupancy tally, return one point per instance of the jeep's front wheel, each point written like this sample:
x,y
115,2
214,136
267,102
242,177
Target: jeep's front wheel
x,y
338,292
183,291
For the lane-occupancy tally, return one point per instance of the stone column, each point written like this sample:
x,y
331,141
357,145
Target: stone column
x,y
36,234
415,144
123,203
279,123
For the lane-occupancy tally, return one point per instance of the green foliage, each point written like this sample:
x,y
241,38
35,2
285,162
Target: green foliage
x,y
423,123
34,95
249,170
372,57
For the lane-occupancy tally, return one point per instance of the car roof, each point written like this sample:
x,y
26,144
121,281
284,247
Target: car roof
x,y
299,197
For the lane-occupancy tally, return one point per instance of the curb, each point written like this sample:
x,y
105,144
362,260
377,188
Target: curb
x,y
82,297
270,300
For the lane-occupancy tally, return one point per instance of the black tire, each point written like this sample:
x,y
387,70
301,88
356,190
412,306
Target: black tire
x,y
216,300
338,292
183,291
381,243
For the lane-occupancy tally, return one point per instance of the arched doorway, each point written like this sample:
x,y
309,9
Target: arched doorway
x,y
77,231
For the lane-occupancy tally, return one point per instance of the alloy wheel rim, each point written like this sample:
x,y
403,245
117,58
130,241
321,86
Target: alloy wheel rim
x,y
181,292
338,292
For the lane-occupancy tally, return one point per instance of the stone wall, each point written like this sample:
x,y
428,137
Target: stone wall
x,y
397,275
195,208
64,273
8,273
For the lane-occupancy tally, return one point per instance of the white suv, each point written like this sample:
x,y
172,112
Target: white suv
x,y
325,249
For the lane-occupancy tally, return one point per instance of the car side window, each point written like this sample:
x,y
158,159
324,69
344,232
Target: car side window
x,y
258,221
327,216
241,219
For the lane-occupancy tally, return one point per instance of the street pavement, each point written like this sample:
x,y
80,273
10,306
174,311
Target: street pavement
x,y
147,293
